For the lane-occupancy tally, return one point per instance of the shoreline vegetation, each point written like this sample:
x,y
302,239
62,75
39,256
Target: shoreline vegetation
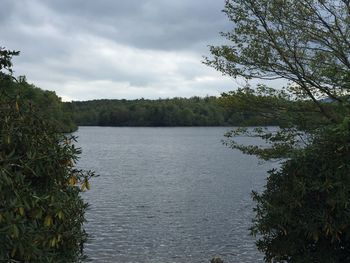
x,y
244,107
46,104
174,112
42,211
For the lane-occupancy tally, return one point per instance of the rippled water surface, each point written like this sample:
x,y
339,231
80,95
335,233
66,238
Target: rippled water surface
x,y
168,195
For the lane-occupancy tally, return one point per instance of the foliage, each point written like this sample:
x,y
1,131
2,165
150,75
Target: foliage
x,y
5,59
168,112
302,214
195,111
298,120
303,41
41,211
45,103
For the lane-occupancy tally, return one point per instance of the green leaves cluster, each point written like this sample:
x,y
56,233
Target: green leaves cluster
x,y
45,103
41,211
303,213
298,120
5,59
303,41
195,111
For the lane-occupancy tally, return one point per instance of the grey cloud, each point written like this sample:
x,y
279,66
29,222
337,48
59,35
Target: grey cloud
x,y
152,24
149,24
132,48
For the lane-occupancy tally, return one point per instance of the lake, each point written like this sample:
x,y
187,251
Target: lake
x,y
168,195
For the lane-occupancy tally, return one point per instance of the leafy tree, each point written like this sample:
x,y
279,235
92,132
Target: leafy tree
x,y
46,103
302,215
5,60
303,41
41,211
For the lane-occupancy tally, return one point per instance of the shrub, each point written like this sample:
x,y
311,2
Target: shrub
x,y
303,213
41,211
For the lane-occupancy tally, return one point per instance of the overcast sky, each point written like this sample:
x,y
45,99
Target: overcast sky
x,y
88,49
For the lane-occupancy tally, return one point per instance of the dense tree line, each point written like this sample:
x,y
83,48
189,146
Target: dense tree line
x,y
46,103
243,107
195,111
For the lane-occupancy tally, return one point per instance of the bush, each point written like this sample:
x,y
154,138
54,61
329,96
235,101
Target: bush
x,y
41,211
303,213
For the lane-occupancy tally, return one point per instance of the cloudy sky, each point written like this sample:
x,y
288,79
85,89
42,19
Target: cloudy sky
x,y
88,49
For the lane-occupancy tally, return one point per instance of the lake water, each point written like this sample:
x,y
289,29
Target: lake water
x,y
168,195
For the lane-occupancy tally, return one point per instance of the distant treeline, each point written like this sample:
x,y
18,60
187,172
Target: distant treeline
x,y
45,103
195,111
239,108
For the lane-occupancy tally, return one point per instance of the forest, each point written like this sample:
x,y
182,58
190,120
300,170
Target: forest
x,y
243,107
194,111
46,104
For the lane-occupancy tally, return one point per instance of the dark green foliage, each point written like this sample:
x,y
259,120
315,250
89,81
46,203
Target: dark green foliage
x,y
41,211
5,59
45,103
163,112
195,111
303,213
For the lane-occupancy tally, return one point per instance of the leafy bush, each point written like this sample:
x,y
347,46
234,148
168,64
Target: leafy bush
x,y
41,211
303,213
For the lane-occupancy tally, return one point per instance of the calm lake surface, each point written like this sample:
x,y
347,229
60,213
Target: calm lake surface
x,y
168,195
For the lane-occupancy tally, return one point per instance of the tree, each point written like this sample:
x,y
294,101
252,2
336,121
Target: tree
x,y
304,41
41,211
46,103
5,60
302,215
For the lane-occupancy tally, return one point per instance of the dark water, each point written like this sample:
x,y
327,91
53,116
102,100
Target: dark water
x,y
168,195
